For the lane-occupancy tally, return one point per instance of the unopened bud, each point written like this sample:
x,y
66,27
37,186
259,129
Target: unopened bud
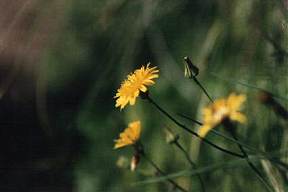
x,y
190,69
122,162
171,137
134,162
265,97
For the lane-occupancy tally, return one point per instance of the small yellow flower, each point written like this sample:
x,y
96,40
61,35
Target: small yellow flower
x,y
137,81
129,136
220,110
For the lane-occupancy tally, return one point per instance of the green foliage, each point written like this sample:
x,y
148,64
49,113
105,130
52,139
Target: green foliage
x,y
238,46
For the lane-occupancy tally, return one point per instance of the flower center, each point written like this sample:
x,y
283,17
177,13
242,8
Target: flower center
x,y
220,113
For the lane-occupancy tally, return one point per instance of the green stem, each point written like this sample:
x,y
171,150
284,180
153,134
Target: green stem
x,y
193,165
189,118
162,173
193,73
222,135
231,129
192,132
203,89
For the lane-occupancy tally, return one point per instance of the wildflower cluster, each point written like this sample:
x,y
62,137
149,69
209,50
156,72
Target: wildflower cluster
x,y
219,112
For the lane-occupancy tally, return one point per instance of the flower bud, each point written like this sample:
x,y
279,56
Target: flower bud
x,y
171,137
134,162
190,69
122,162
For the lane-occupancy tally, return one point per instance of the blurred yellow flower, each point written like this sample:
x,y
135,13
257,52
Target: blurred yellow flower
x,y
137,81
129,136
220,110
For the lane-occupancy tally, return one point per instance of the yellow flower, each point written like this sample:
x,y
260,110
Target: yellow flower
x,y
137,81
129,136
220,110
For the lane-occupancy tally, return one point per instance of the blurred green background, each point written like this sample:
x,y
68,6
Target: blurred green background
x,y
63,61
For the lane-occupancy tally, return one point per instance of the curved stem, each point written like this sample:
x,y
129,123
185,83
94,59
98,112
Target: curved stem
x,y
163,173
192,132
189,118
222,135
203,89
230,127
193,73
193,165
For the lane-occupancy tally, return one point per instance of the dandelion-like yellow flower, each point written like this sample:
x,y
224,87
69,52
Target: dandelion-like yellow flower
x,y
220,110
137,81
129,136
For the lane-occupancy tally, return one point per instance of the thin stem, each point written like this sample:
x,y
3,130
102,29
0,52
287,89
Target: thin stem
x,y
189,118
236,140
163,173
222,135
193,73
192,132
252,166
193,165
203,89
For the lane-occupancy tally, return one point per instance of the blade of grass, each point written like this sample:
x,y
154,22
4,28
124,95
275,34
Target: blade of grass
x,y
246,85
214,167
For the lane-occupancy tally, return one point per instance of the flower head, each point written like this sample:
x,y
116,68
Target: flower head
x,y
129,136
220,110
137,81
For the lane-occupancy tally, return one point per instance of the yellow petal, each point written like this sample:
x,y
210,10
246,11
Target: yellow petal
x,y
133,84
234,101
221,109
203,130
129,136
237,116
